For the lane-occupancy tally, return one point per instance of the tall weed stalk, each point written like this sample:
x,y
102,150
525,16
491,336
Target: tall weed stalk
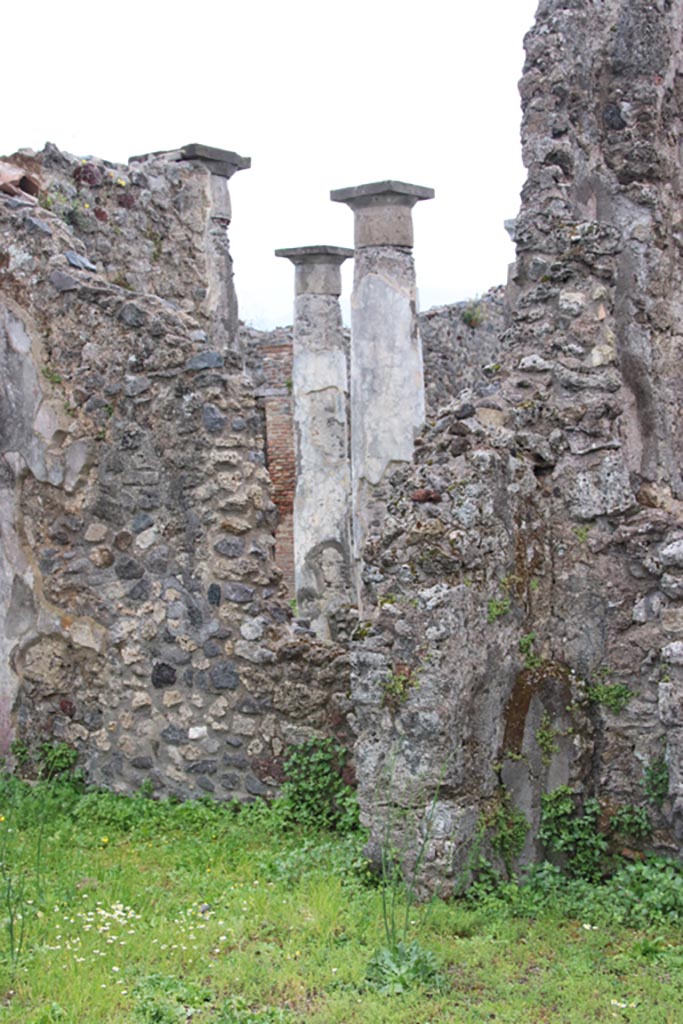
x,y
400,965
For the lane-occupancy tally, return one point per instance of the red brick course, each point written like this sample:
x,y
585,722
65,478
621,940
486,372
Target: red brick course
x,y
280,453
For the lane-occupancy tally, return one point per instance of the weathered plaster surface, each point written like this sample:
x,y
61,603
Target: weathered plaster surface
x,y
323,488
387,382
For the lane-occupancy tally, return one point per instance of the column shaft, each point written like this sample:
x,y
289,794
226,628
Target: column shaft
x,y
387,378
322,540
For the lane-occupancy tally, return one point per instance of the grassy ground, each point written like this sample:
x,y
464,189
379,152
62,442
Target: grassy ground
x,y
136,911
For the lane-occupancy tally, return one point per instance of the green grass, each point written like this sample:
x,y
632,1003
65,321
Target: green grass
x,y
144,912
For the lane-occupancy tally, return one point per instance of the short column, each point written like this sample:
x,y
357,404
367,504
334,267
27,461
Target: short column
x,y
322,540
387,380
221,300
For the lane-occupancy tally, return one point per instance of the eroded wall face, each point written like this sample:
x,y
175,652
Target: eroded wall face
x,y
145,620
532,561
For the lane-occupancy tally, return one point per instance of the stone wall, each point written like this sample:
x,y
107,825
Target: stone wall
x,y
145,620
531,561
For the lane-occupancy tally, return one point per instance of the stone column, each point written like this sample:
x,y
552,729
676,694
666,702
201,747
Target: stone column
x,y
221,300
322,541
387,381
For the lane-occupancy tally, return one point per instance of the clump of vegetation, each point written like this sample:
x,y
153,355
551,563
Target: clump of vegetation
x,y
631,822
395,688
400,965
396,969
506,829
156,240
314,794
546,737
526,648
51,375
656,781
583,835
644,895
238,1011
572,831
613,696
47,761
474,314
164,999
497,608
601,691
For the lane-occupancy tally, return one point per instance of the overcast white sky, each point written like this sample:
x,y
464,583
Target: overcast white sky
x,y
321,95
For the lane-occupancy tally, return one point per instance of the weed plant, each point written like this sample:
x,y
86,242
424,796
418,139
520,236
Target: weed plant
x,y
400,965
496,608
572,834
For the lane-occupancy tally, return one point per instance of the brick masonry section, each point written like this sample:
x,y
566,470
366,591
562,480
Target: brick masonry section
x,y
280,456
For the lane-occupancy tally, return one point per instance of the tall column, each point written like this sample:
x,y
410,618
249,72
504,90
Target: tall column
x,y
322,553
387,381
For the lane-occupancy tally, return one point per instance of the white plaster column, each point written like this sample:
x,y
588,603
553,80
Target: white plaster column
x,y
387,379
322,541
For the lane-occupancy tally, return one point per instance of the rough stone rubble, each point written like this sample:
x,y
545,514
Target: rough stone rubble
x,y
144,620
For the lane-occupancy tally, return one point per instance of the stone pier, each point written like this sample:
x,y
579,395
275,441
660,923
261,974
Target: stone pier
x,y
387,382
221,300
322,537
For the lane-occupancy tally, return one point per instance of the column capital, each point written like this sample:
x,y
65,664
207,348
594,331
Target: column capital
x,y
383,211
317,268
221,162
